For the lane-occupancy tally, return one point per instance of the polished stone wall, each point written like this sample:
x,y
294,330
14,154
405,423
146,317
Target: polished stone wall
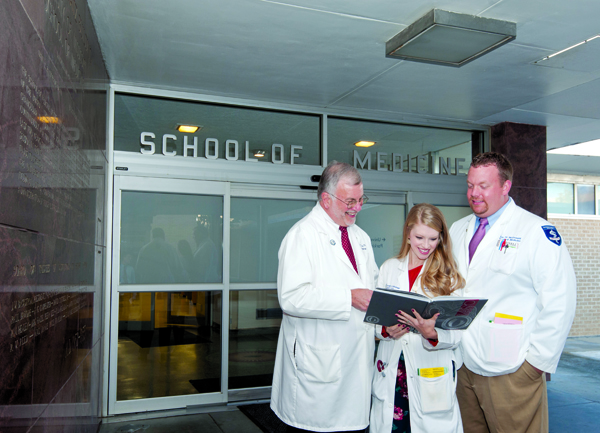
x,y
53,87
525,147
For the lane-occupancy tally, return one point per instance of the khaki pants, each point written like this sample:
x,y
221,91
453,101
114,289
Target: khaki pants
x,y
509,403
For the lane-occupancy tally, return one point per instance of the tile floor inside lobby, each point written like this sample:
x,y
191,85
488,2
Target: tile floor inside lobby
x,y
187,360
573,400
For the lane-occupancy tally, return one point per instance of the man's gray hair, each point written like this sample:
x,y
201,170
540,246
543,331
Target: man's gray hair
x,y
335,172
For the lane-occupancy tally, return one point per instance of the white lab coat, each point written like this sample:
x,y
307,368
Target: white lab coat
x,y
433,406
531,277
324,360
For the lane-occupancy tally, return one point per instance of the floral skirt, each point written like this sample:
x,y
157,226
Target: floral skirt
x,y
401,421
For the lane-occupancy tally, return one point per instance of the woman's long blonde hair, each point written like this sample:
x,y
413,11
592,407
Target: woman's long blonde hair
x,y
440,276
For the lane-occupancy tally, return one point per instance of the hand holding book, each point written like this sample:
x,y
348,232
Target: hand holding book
x,y
451,312
396,331
425,327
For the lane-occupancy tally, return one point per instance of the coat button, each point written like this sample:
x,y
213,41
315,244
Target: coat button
x,y
390,405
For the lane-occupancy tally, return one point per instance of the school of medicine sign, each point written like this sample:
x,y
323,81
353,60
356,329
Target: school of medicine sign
x,y
281,154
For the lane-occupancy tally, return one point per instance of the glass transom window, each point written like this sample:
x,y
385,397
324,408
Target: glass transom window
x,y
382,146
149,125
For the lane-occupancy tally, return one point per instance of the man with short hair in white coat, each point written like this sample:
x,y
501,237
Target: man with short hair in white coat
x,y
520,263
327,271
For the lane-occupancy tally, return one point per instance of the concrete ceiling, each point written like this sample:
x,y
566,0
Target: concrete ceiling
x,y
330,55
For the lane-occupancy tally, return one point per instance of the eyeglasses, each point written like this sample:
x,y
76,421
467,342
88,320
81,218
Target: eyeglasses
x,y
352,202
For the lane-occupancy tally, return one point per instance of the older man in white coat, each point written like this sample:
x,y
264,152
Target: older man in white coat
x,y
519,261
327,271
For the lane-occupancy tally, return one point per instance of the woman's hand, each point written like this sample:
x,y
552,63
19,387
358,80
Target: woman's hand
x,y
397,331
425,326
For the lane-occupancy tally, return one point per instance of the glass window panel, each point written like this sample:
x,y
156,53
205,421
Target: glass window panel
x,y
169,344
257,228
597,199
384,224
441,150
454,213
560,198
263,130
254,327
585,199
171,238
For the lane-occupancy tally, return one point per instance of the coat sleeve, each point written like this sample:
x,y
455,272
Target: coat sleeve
x,y
447,339
382,280
372,267
554,281
378,334
301,289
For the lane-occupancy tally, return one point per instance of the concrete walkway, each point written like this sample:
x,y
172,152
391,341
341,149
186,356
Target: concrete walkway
x,y
573,402
574,390
225,419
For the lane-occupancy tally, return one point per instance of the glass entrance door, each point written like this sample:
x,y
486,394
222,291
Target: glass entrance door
x,y
168,283
259,221
194,311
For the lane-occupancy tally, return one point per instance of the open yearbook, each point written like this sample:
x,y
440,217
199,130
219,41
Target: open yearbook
x,y
455,312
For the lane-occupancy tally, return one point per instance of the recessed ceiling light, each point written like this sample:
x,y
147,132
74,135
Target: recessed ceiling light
x,y
49,119
363,143
449,38
189,129
588,148
259,153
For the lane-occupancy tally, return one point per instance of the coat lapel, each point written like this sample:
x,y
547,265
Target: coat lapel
x,y
403,271
359,255
335,245
333,239
340,253
468,236
405,283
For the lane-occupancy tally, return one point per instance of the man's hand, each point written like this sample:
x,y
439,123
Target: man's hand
x,y
361,298
535,368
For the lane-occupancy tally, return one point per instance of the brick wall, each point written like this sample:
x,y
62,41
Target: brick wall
x,y
582,237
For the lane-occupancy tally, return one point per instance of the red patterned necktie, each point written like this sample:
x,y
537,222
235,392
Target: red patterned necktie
x,y
477,237
348,247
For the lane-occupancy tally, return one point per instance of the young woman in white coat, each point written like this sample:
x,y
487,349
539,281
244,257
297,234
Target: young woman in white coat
x,y
406,396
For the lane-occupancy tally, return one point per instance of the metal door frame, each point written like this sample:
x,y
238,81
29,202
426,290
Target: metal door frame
x,y
175,186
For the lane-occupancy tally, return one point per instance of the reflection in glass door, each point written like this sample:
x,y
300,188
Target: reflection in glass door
x,y
167,307
169,344
384,224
